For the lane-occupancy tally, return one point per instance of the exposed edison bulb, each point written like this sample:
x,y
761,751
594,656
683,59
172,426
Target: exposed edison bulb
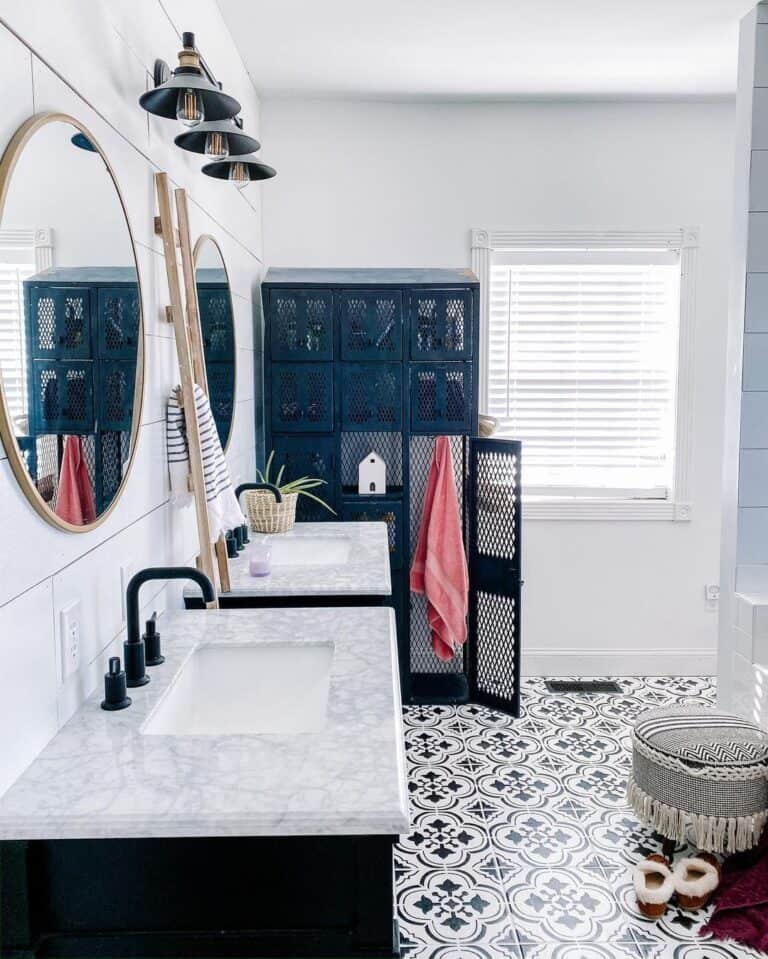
x,y
217,145
239,175
189,108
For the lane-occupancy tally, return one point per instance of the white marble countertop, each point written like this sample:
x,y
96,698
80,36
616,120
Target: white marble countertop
x,y
101,777
366,571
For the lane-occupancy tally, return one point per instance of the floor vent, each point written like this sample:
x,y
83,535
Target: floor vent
x,y
583,686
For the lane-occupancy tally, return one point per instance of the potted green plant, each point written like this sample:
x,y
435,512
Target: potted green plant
x,y
268,515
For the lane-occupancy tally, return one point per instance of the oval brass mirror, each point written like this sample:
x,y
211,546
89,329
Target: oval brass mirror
x,y
217,326
71,331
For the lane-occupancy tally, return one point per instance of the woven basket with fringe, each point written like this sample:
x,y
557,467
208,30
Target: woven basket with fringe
x,y
266,515
695,768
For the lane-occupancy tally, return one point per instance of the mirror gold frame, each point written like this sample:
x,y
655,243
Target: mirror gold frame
x,y
8,163
199,243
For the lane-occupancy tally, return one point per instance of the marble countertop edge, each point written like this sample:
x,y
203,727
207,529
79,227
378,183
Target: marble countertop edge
x,y
167,827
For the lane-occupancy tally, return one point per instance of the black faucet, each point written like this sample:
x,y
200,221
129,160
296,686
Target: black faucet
x,y
270,486
134,653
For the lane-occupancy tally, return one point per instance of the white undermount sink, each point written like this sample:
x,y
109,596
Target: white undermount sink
x,y
246,689
308,550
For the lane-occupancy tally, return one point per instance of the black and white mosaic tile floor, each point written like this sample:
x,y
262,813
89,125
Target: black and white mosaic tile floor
x,y
522,840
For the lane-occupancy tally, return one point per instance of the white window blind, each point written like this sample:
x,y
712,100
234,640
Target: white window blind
x,y
15,267
582,358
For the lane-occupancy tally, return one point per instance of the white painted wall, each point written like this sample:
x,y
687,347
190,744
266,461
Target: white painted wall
x,y
83,212
92,60
383,184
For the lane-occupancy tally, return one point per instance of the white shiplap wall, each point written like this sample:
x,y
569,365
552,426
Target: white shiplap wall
x,y
93,59
742,665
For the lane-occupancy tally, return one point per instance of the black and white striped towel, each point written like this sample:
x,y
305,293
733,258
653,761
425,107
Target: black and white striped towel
x,y
224,512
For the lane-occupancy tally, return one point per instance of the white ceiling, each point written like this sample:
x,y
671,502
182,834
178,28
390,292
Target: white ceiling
x,y
478,49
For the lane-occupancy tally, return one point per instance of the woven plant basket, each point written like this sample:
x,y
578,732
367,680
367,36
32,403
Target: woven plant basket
x,y
266,515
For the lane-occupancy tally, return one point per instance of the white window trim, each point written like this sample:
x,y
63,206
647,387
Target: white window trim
x,y
686,241
41,239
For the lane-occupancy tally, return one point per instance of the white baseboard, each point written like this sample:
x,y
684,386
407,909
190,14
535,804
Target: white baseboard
x,y
615,662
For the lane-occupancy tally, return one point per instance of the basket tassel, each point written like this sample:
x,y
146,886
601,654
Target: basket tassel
x,y
711,833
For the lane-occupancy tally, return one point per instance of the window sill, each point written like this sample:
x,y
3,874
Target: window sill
x,y
593,509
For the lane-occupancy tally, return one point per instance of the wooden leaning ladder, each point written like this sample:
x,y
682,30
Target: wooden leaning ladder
x,y
185,317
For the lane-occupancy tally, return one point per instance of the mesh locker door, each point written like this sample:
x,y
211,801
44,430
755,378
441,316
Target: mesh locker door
x,y
494,573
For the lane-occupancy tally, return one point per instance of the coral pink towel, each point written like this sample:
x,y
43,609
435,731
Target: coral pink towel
x,y
439,565
74,501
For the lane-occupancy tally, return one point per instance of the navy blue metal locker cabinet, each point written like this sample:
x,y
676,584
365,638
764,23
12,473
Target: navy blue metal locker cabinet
x,y
393,357
82,339
218,334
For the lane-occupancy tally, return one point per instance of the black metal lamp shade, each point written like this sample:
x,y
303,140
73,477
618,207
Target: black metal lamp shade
x,y
81,140
257,170
237,141
162,101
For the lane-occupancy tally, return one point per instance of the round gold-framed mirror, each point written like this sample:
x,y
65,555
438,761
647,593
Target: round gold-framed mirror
x,y
72,337
217,327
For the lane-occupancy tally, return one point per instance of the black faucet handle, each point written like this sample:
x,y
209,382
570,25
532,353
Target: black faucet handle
x,y
115,687
152,642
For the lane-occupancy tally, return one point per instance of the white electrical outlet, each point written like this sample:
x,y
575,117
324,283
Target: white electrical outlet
x,y
712,596
126,574
70,619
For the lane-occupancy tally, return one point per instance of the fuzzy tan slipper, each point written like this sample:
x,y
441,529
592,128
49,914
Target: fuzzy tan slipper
x,y
654,885
696,878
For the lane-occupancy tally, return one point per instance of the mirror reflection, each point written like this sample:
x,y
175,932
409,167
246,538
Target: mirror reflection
x,y
70,324
218,332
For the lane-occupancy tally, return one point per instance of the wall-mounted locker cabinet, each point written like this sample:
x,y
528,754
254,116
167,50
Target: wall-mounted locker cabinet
x,y
300,324
370,324
399,352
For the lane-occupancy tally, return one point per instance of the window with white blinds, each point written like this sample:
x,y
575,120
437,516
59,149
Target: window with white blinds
x,y
582,359
15,267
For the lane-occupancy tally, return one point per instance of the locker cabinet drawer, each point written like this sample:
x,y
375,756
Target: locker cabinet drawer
x,y
116,395
441,324
441,397
119,313
63,396
302,397
216,324
60,321
372,511
370,325
301,325
309,456
372,397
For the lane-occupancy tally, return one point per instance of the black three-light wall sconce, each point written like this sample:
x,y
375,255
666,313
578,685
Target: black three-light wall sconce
x,y
192,95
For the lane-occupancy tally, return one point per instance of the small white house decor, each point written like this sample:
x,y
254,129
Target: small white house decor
x,y
372,475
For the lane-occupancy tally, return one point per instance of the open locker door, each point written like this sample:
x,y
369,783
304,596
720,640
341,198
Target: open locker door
x,y
493,552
